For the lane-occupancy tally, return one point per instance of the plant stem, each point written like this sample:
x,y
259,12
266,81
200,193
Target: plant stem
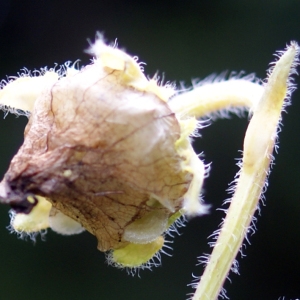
x,y
258,148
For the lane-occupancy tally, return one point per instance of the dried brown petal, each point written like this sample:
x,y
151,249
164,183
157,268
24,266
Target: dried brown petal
x,y
102,152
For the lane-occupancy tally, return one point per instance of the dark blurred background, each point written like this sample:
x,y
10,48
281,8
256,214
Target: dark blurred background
x,y
183,40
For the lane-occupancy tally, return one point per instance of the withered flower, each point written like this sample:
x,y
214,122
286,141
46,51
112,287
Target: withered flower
x,y
103,151
109,151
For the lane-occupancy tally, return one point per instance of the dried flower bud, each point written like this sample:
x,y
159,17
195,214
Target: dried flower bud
x,y
104,148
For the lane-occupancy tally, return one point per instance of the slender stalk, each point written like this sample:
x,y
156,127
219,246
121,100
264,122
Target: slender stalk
x,y
218,98
258,147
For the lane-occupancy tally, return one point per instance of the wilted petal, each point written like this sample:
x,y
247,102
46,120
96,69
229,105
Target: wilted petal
x,y
104,147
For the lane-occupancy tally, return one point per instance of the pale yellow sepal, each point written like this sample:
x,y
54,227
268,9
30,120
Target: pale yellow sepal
x,y
132,74
135,255
115,59
192,204
36,220
193,165
187,127
22,92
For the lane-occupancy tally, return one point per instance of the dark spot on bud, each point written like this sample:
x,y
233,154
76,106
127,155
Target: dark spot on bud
x,y
24,205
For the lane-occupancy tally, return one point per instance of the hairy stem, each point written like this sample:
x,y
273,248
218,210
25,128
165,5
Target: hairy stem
x,y
215,98
258,147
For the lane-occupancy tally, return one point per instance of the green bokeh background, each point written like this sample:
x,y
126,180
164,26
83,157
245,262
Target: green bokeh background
x,y
182,40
